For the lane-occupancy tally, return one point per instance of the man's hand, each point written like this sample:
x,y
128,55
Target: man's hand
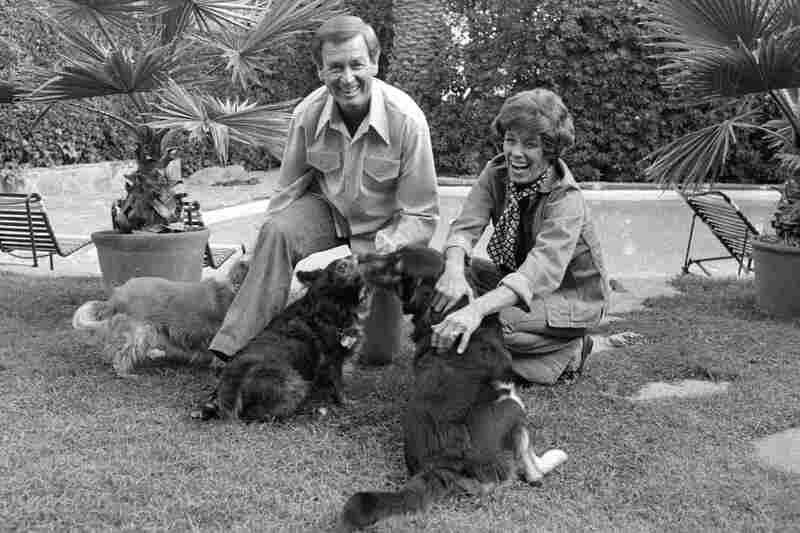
x,y
451,287
461,323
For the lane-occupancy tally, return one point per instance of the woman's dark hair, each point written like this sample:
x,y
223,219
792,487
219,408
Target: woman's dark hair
x,y
542,112
340,29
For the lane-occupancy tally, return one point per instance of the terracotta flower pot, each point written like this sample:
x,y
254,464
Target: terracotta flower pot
x,y
174,256
777,278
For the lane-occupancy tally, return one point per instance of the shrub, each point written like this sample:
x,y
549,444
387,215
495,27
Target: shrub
x,y
590,52
65,135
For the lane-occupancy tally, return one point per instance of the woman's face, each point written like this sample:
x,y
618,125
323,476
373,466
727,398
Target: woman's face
x,y
524,155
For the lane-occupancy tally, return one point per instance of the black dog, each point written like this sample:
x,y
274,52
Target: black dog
x,y
298,358
463,416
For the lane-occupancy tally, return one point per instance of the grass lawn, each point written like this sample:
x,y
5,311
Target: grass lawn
x,y
82,450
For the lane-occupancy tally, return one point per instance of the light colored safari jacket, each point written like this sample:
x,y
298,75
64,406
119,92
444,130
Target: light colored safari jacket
x,y
382,180
564,264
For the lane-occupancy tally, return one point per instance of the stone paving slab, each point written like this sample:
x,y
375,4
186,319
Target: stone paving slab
x,y
781,450
686,388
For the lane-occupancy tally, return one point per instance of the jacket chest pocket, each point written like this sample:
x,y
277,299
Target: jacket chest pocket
x,y
380,174
325,162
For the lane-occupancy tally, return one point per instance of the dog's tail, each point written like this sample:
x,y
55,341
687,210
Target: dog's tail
x,y
253,390
94,314
365,508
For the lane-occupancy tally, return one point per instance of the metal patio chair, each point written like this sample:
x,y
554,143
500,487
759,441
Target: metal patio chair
x,y
26,231
215,255
726,222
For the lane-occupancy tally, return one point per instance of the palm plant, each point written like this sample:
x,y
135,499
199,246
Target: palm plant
x,y
741,54
156,64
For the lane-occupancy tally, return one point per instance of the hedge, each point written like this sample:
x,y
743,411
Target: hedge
x,y
589,51
592,54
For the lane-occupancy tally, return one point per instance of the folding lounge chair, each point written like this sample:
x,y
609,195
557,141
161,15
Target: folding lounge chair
x,y
26,232
726,222
214,256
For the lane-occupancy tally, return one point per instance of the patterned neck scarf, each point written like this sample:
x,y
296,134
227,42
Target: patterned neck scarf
x,y
502,245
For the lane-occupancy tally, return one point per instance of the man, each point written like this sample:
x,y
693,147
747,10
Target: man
x,y
358,169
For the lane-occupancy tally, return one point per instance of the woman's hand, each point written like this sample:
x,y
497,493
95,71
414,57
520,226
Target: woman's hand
x,y
461,323
451,287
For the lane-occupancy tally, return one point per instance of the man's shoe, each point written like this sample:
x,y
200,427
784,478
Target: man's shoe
x,y
586,351
571,373
208,409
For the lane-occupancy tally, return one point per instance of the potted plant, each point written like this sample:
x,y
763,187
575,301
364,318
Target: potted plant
x,y
158,65
742,55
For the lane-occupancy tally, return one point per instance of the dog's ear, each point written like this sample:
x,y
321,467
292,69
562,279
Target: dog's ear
x,y
382,270
420,262
308,277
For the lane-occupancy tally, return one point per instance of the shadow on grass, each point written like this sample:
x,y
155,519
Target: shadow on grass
x,y
86,450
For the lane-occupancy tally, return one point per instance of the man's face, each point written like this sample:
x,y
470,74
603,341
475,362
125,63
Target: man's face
x,y
347,72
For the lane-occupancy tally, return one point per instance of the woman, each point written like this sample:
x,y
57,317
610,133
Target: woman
x,y
546,276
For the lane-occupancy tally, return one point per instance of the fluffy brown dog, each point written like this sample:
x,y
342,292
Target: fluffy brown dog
x,y
463,416
151,318
298,358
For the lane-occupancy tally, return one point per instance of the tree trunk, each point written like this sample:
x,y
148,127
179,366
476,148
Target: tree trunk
x,y
419,34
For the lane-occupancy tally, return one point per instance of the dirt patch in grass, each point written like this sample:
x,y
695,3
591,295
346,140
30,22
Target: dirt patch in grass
x,y
85,450
686,388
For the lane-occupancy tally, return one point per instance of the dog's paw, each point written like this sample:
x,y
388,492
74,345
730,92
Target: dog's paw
x,y
549,460
207,411
532,476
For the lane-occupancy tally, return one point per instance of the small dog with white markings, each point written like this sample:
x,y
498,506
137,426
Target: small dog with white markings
x,y
464,415
297,359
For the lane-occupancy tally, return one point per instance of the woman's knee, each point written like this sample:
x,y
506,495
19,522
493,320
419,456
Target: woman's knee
x,y
544,359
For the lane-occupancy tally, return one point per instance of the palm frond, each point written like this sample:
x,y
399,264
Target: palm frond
x,y
223,120
710,24
82,45
788,13
736,71
222,51
278,25
257,125
783,134
697,157
119,13
177,108
779,59
789,161
207,15
116,71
